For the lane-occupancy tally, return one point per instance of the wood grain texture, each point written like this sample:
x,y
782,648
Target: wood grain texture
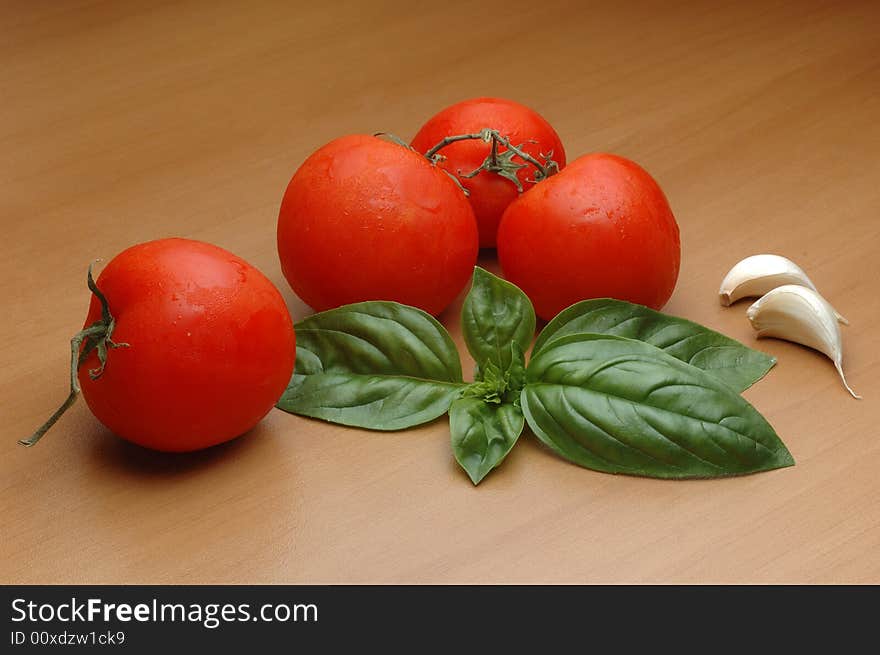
x,y
123,122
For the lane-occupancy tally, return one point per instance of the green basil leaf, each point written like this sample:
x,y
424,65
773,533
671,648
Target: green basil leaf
x,y
623,406
727,359
378,365
494,315
483,434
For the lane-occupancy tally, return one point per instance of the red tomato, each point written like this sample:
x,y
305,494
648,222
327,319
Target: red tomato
x,y
490,194
211,346
600,228
367,219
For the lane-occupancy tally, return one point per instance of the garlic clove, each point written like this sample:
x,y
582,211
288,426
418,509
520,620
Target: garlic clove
x,y
797,313
758,274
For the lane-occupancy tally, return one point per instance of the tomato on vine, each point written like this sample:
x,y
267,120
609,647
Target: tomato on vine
x,y
184,346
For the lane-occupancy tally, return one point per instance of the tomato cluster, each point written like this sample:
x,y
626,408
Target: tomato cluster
x,y
369,219
203,345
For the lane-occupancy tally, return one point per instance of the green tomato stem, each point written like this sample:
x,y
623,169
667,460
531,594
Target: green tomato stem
x,y
449,140
96,336
495,163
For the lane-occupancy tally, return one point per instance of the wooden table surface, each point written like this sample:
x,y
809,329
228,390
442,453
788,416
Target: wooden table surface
x,y
124,122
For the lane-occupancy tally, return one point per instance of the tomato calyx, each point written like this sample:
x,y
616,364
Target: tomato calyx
x,y
96,337
499,162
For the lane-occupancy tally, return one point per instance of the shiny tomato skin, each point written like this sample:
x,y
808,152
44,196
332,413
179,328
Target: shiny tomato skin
x,y
211,346
490,194
600,228
367,219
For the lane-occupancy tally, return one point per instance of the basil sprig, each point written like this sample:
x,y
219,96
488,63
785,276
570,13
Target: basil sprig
x,y
498,325
611,386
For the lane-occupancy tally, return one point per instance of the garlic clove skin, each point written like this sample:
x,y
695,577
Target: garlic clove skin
x,y
758,274
797,313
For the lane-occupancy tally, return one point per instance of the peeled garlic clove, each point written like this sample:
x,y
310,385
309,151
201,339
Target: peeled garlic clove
x,y
797,313
758,274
